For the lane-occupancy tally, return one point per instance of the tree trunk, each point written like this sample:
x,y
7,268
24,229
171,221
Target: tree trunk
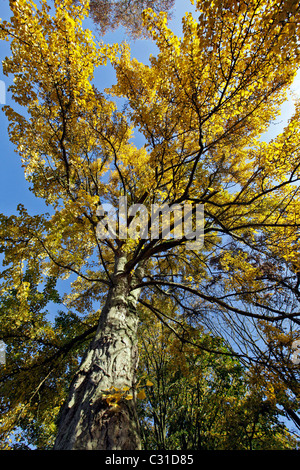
x,y
87,421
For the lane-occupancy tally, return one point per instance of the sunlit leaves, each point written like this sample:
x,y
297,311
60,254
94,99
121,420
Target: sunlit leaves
x,y
114,395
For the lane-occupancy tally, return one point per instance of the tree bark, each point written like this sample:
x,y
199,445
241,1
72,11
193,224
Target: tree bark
x,y
87,421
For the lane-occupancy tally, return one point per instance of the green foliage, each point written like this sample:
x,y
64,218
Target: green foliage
x,y
41,358
201,401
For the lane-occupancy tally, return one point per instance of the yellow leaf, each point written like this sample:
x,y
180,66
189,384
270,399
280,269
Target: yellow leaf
x,y
149,383
115,405
141,395
129,397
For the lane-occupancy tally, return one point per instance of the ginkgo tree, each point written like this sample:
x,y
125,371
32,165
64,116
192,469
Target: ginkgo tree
x,y
201,107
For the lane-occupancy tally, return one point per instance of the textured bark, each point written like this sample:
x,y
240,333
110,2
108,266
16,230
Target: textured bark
x,y
87,422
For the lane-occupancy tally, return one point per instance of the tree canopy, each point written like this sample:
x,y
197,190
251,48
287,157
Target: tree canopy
x,y
109,15
201,107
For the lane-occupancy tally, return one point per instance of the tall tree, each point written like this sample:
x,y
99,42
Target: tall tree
x,y
202,106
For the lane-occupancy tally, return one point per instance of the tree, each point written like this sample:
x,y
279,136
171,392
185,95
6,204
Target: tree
x,y
268,348
109,15
196,400
201,106
30,395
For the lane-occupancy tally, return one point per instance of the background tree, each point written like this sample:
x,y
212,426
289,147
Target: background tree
x,y
42,357
202,401
109,15
268,348
202,106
